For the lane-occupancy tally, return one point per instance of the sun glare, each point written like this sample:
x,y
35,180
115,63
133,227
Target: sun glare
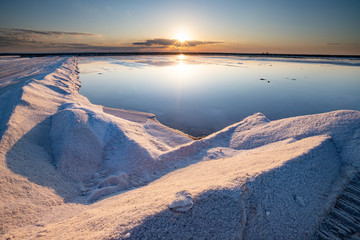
x,y
182,37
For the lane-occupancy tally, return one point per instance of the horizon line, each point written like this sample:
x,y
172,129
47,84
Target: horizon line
x,y
266,54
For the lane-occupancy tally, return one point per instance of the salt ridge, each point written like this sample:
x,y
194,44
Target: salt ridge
x,y
254,179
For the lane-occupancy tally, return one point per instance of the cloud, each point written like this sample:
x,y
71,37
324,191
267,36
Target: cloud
x,y
173,42
16,36
30,33
157,41
196,43
343,43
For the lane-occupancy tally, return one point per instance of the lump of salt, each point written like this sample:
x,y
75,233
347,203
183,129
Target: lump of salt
x,y
127,236
182,202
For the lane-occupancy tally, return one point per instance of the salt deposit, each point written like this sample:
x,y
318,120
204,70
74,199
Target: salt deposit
x,y
73,170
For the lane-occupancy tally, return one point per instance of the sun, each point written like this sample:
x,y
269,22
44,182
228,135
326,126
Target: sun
x,y
182,37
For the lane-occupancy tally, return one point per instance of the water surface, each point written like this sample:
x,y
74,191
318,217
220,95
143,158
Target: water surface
x,y
200,95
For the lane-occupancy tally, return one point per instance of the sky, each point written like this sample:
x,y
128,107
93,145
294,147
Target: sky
x,y
237,26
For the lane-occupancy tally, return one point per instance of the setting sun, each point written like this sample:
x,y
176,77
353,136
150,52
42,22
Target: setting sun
x,y
182,36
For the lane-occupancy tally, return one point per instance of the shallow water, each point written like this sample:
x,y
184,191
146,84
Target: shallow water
x,y
200,95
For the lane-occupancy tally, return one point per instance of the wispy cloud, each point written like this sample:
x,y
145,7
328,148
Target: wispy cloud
x,y
173,42
157,41
196,43
15,36
47,33
343,43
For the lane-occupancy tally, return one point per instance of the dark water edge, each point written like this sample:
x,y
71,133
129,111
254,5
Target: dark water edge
x,y
270,55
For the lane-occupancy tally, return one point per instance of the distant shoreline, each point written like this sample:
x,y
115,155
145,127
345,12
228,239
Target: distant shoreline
x,y
270,55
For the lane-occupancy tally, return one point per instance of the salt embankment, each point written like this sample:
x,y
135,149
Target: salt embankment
x,y
75,170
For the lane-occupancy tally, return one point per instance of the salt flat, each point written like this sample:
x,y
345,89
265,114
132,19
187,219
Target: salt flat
x,y
70,169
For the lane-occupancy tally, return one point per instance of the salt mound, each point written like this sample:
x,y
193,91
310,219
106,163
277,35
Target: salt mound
x,y
256,179
78,153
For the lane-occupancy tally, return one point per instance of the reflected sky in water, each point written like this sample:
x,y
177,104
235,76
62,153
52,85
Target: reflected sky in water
x,y
200,95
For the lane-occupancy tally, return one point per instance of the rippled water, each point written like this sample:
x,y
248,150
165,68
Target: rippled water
x,y
200,95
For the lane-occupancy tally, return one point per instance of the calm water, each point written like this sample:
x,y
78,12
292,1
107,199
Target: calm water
x,y
200,95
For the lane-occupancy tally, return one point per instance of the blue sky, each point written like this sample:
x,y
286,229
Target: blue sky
x,y
278,26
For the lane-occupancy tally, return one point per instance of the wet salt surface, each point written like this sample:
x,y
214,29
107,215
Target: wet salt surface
x,y
200,95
